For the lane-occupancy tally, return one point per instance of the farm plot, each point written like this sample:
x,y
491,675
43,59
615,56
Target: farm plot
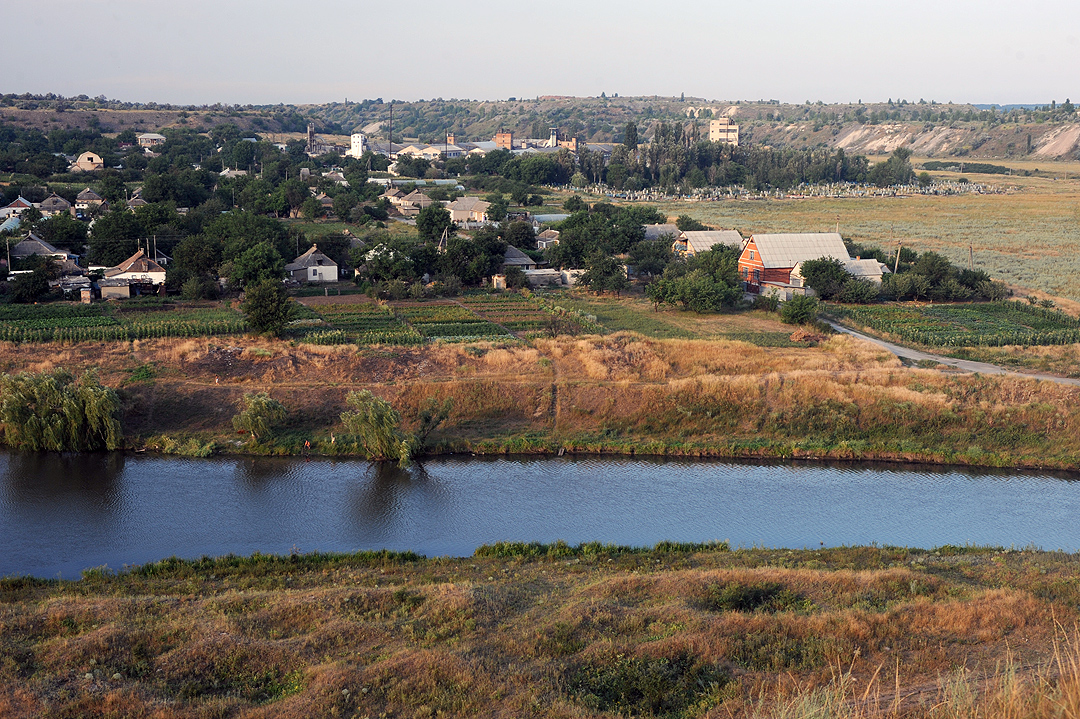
x,y
449,321
992,324
74,323
362,324
514,312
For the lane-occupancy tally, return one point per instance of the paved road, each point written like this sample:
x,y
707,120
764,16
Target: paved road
x,y
965,365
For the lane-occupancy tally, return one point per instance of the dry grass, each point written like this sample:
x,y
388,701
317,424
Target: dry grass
x,y
848,632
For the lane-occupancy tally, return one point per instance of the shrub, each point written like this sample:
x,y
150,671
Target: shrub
x,y
799,310
258,414
858,291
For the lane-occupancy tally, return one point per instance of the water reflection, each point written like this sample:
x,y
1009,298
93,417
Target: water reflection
x,y
43,479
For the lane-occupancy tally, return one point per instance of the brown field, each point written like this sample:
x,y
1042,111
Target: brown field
x,y
699,386
553,631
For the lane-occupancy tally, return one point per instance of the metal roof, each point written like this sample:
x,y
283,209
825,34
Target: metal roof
x,y
703,240
788,250
653,232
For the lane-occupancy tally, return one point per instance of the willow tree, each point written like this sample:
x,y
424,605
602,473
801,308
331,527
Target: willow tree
x,y
55,411
376,425
259,412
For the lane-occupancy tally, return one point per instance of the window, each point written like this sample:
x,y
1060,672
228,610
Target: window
x,y
314,272
751,254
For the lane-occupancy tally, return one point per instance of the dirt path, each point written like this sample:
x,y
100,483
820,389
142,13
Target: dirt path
x,y
964,365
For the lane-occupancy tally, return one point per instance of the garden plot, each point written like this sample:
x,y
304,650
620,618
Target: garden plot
x,y
991,324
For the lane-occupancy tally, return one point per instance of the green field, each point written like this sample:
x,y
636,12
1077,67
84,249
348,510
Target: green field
x,y
1029,238
990,324
102,322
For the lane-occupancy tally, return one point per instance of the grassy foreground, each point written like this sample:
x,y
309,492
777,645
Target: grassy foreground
x,y
553,631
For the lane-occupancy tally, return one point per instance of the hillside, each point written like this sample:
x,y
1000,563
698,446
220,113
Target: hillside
x,y
929,129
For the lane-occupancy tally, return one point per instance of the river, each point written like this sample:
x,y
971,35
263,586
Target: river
x,y
60,514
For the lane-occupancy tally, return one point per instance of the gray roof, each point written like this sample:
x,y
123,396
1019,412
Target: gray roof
x,y
311,258
788,250
34,245
866,267
703,240
550,218
514,256
653,232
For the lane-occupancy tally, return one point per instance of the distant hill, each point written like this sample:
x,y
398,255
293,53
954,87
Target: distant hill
x,y
929,129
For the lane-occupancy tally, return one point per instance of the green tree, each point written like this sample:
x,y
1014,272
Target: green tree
x,y
799,310
650,257
686,223
30,288
259,412
258,263
376,427
603,273
432,220
574,204
630,137
266,306
54,411
825,276
114,237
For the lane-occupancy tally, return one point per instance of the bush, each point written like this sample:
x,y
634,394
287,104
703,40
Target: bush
x,y
258,414
199,288
799,310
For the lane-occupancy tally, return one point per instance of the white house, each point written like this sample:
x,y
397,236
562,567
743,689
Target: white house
x,y
139,269
313,266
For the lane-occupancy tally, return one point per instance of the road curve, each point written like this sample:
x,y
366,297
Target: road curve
x,y
965,365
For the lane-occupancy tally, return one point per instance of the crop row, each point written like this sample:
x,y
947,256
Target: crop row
x,y
985,325
437,313
460,329
134,331
64,322
51,311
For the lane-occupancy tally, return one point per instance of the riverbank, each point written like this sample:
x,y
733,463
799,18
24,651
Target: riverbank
x,y
553,631
623,393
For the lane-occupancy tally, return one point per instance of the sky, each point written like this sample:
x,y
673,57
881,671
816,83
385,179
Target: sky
x,y
247,52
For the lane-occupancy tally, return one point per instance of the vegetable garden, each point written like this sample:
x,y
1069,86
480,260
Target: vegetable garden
x,y
77,323
991,324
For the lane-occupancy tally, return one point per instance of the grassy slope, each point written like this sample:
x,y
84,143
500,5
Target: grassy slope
x,y
546,632
623,392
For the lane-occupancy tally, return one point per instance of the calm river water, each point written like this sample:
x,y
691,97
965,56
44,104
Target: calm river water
x,y
60,514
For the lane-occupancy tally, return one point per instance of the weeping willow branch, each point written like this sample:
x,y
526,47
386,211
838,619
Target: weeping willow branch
x,y
54,411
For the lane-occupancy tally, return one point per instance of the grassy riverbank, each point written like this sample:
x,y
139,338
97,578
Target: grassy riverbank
x,y
553,631
624,392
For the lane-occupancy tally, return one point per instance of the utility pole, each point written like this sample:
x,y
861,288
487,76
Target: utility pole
x,y
971,257
896,267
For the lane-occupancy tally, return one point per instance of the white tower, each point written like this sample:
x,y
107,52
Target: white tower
x,y
357,145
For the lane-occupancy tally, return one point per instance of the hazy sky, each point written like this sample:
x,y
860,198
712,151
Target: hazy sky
x,y
242,51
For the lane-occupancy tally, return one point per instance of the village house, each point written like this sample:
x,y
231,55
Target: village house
x,y
767,261
513,257
468,209
88,200
547,238
411,204
313,266
150,139
54,205
18,206
137,269
87,162
34,245
692,242
655,232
